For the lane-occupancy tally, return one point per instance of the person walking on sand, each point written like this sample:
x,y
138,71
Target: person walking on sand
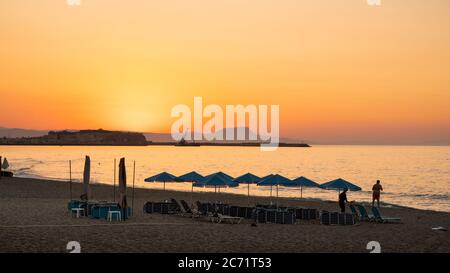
x,y
343,200
376,192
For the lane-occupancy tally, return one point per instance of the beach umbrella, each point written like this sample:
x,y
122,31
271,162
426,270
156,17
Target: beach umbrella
x,y
123,187
248,179
222,174
216,180
276,180
304,182
340,184
86,178
191,177
162,177
265,177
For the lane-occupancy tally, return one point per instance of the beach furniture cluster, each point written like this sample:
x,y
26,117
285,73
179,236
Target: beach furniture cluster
x,y
219,212
360,213
220,180
86,207
98,210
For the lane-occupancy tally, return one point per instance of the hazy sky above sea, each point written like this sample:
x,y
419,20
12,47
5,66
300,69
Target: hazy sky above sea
x,y
341,70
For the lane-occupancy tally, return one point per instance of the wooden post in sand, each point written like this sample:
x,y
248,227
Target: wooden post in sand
x,y
114,187
132,194
70,178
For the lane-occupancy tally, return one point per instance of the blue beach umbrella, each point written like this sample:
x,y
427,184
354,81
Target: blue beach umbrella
x,y
340,184
248,179
264,178
191,177
221,174
304,182
276,180
162,177
216,180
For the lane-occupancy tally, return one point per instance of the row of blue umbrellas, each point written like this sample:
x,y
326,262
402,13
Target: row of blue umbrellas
x,y
220,179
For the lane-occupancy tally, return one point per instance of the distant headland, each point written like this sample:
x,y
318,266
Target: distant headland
x,y
102,137
83,137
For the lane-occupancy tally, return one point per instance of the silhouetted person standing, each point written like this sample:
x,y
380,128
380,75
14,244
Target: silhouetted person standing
x,y
376,192
343,200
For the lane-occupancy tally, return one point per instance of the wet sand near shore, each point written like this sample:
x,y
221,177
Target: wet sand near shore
x,y
34,218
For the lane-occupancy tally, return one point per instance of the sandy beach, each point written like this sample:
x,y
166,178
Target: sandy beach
x,y
34,218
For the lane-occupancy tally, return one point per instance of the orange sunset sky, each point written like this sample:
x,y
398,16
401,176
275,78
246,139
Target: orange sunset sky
x,y
341,70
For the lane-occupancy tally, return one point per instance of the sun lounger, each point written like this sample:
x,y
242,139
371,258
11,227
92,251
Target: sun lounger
x,y
185,206
260,215
186,210
325,218
176,206
363,215
219,218
353,209
285,217
336,218
382,219
160,207
271,215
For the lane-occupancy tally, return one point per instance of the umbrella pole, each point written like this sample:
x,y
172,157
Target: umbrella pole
x,y
132,195
70,178
0,167
192,193
277,196
164,185
301,192
114,188
248,192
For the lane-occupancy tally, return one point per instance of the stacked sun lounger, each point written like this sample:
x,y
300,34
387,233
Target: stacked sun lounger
x,y
336,218
160,207
306,214
243,212
263,215
206,208
224,209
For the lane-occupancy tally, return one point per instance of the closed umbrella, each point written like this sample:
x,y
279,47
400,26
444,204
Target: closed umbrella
x,y
5,164
304,182
191,177
276,180
248,179
162,177
123,188
86,178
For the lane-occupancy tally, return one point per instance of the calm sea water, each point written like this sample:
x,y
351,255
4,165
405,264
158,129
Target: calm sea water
x,y
411,176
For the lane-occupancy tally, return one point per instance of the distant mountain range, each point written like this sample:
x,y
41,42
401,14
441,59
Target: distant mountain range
x,y
17,133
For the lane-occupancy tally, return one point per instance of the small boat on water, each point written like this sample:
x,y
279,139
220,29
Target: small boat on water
x,y
184,143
